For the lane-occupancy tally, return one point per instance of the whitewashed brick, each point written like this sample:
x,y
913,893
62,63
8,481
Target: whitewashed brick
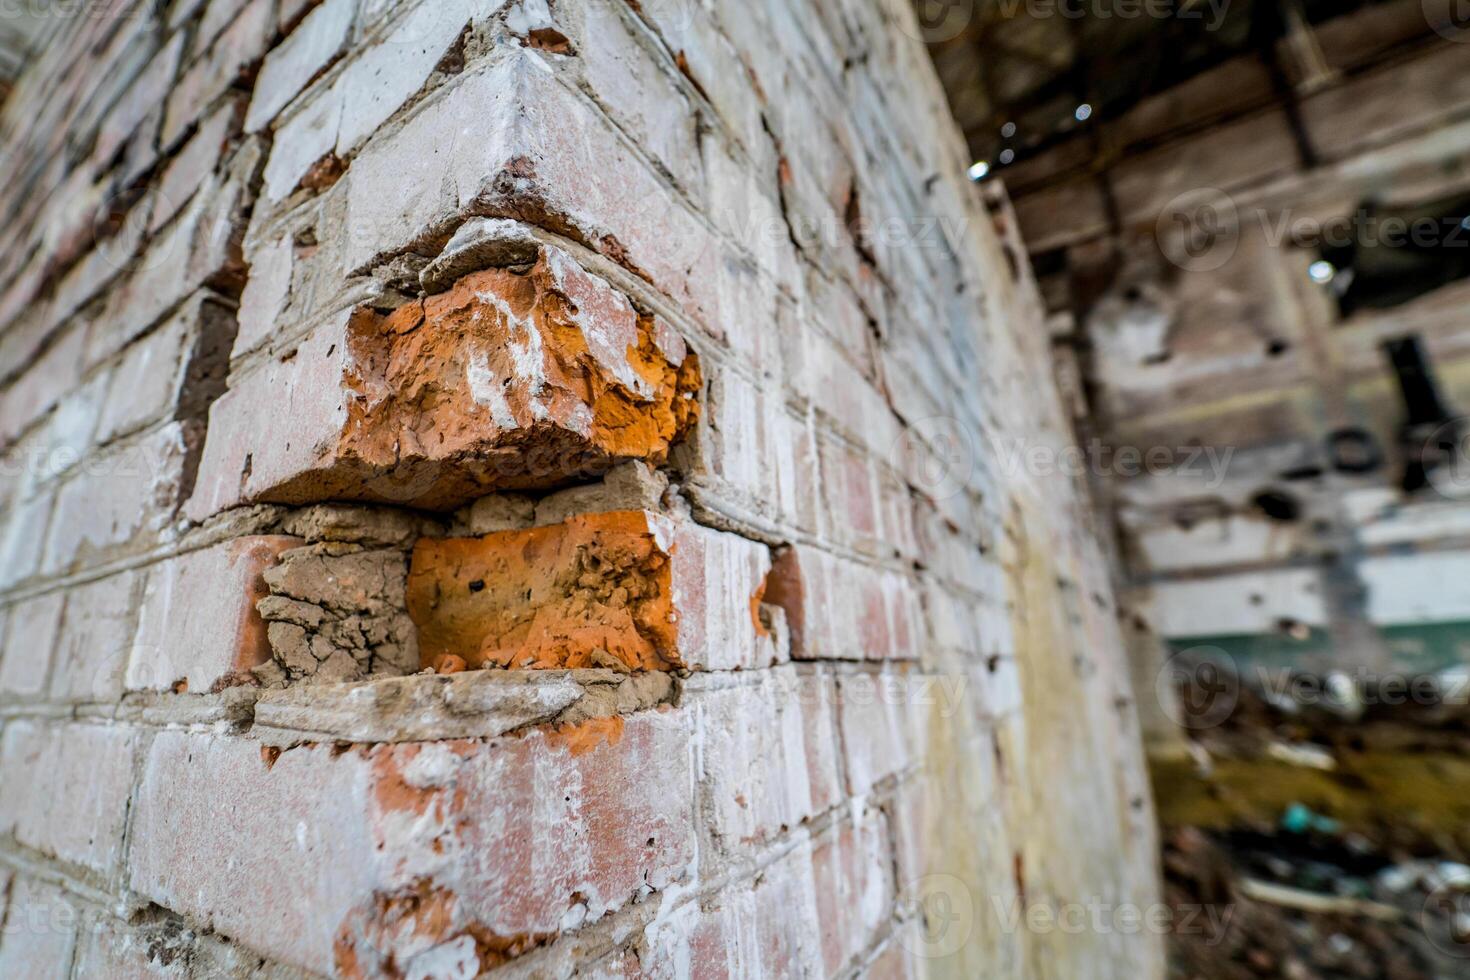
x,y
65,789
305,53
30,639
96,635
197,622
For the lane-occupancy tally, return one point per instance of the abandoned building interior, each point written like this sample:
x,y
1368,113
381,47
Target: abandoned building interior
x,y
787,488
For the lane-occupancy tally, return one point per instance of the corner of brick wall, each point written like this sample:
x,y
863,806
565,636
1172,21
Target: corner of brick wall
x,y
507,484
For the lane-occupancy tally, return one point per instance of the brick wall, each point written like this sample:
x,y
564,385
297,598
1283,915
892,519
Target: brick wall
x,y
533,485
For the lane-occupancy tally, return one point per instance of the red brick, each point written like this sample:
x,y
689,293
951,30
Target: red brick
x,y
121,498
511,379
201,247
307,51
852,869
55,373
543,151
383,77
96,635
197,624
187,171
148,91
23,537
399,850
266,293
761,927
235,51
760,452
844,610
882,717
651,593
170,372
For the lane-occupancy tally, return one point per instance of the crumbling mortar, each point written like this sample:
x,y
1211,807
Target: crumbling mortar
x,y
606,695
337,613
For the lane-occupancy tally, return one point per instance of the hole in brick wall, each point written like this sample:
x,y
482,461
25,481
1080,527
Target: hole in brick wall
x,y
785,589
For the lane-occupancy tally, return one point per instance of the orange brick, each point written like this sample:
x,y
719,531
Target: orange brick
x,y
513,378
558,596
626,588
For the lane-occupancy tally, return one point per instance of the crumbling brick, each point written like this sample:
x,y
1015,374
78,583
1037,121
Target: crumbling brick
x,y
628,590
595,591
516,377
398,850
336,613
478,703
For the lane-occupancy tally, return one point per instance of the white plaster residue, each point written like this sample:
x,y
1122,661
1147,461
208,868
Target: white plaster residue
x,y
486,391
608,337
454,960
580,421
434,765
528,358
528,16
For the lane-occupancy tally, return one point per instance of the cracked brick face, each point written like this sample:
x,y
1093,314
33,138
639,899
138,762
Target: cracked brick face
x,y
594,591
518,377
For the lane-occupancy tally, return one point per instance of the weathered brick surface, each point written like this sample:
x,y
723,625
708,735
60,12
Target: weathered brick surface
x,y
515,377
350,347
92,647
128,495
66,789
294,62
197,622
622,588
400,851
29,642
40,931
769,755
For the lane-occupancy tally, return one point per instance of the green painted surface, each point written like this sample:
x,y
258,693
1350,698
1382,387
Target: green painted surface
x,y
1419,649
